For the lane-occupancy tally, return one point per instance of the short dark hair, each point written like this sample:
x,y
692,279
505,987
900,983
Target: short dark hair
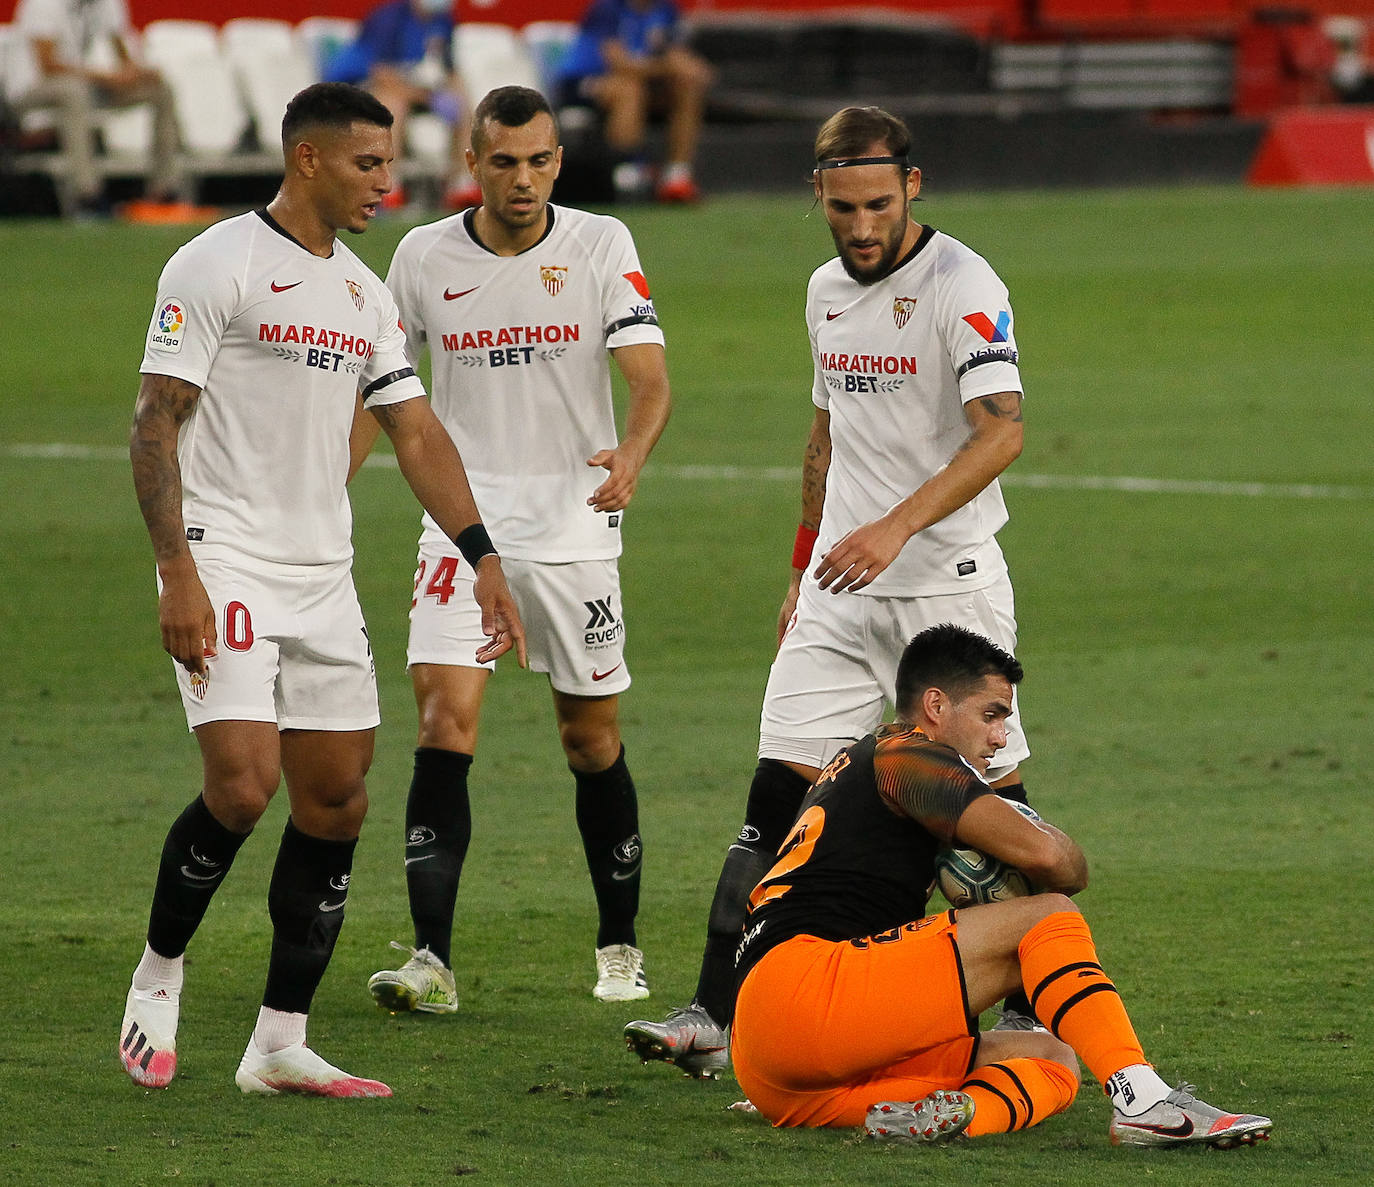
x,y
331,105
512,107
852,131
952,659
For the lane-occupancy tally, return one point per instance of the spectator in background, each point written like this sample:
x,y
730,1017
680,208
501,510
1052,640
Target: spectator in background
x,y
82,62
403,54
629,61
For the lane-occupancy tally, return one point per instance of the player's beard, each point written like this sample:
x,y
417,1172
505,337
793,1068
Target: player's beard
x,y
892,246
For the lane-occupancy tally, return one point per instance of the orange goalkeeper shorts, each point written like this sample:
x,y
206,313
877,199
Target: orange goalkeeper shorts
x,y
823,1030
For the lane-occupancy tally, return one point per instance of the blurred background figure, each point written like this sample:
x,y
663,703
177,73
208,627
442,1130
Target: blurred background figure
x,y
403,54
629,61
79,60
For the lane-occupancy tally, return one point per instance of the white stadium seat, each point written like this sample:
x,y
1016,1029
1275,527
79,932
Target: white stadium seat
x,y
323,36
210,114
271,66
488,55
548,43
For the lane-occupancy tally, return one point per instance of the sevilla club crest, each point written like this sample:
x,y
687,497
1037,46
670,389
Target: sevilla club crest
x,y
902,309
553,278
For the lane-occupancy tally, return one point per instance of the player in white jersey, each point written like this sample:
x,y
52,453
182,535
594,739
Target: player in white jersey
x,y
522,305
266,334
917,411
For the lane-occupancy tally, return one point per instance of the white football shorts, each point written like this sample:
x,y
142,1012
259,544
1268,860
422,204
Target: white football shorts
x,y
293,647
836,670
574,630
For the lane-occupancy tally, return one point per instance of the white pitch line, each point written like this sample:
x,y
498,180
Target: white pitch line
x,y
1153,486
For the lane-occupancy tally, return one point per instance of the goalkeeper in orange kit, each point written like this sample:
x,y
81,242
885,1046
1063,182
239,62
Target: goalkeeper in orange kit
x,y
856,1008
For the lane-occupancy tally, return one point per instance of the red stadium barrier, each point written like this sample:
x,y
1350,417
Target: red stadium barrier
x,y
1317,146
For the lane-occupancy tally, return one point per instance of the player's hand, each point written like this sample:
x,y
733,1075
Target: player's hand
x,y
500,619
622,466
187,620
789,605
858,557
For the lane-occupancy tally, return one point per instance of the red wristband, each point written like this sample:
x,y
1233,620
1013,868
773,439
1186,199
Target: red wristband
x,y
801,550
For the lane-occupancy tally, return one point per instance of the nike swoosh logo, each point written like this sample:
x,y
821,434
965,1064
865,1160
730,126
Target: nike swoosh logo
x,y
831,315
425,857
331,906
602,675
618,876
448,296
281,288
693,1049
1169,1131
187,872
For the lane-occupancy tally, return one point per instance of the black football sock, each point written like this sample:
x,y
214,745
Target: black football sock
x,y
774,798
196,856
438,829
607,811
1017,1001
306,902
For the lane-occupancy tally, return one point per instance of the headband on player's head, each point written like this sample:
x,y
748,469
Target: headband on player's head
x,y
847,162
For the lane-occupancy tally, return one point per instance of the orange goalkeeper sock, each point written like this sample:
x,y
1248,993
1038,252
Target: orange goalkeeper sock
x,y
1071,994
1018,1093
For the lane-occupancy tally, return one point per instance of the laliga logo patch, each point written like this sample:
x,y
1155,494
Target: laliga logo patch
x,y
169,326
637,281
355,290
902,309
553,278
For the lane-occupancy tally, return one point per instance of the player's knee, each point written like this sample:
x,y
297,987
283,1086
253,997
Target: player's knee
x,y
334,810
238,787
444,727
689,72
589,746
1053,903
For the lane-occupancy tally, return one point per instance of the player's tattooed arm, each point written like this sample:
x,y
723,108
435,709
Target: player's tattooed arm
x,y
1002,406
164,403
815,469
388,416
185,615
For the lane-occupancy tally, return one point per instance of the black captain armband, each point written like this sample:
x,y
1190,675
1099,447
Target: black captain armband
x,y
474,543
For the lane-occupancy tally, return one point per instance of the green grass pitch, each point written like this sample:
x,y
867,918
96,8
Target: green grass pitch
x,y
1198,646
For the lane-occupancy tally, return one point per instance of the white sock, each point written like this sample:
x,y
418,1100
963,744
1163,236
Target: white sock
x,y
158,972
1136,1089
677,171
276,1030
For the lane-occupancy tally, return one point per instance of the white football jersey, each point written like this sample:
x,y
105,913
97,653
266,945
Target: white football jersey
x,y
895,362
279,341
521,374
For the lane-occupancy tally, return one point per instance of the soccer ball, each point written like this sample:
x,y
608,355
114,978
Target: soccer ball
x,y
967,877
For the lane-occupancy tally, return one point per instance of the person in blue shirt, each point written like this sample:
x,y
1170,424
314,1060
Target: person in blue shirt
x,y
403,54
629,60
